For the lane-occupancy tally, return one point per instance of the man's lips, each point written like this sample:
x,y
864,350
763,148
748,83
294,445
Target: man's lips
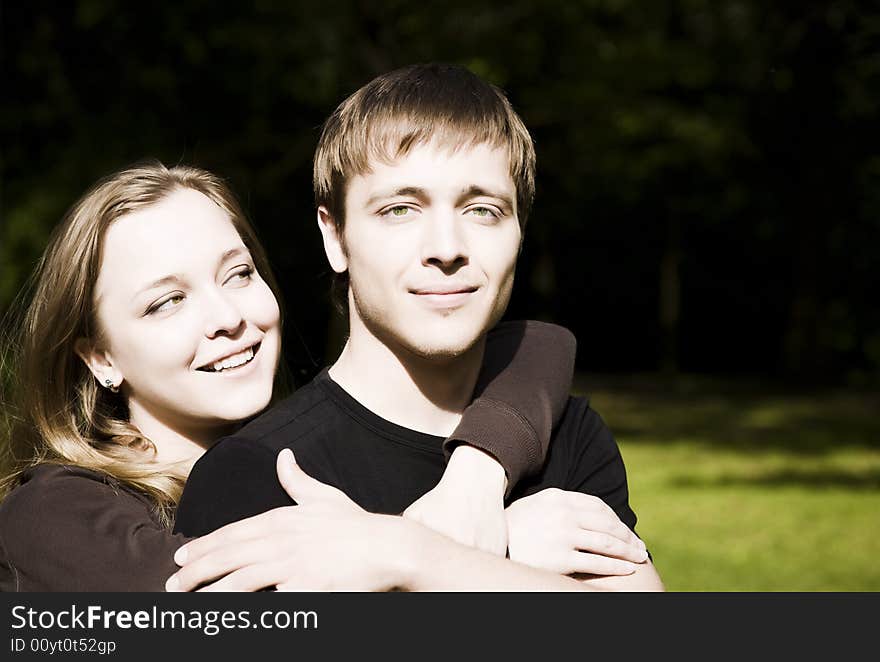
x,y
444,297
443,290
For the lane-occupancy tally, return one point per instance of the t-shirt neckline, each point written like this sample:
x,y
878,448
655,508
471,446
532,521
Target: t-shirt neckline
x,y
375,422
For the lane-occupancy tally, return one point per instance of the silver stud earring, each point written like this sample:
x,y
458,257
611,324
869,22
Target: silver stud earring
x,y
109,384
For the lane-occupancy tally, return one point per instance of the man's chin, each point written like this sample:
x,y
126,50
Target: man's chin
x,y
443,350
440,341
440,355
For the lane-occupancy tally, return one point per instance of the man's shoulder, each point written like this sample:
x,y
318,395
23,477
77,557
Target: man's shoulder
x,y
581,442
236,477
296,415
578,411
304,417
581,425
584,457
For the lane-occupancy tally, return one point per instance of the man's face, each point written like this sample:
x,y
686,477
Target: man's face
x,y
430,243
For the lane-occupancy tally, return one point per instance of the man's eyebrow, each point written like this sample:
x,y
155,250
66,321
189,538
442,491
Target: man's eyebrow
x,y
478,191
413,191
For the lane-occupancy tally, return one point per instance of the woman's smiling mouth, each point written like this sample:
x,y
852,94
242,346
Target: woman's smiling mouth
x,y
233,361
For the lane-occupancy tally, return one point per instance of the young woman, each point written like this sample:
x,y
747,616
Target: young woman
x,y
153,330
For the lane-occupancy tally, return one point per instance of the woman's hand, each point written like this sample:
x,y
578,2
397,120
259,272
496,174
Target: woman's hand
x,y
570,532
467,504
325,543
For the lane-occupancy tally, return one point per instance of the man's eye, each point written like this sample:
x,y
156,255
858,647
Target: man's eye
x,y
400,211
166,304
484,212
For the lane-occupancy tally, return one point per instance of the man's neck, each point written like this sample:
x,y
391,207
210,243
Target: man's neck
x,y
424,394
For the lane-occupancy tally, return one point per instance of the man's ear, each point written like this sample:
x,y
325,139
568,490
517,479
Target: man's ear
x,y
98,361
332,236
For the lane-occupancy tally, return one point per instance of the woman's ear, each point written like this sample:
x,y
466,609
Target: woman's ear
x,y
99,362
334,245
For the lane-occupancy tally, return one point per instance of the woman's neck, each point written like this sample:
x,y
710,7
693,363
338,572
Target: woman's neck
x,y
175,441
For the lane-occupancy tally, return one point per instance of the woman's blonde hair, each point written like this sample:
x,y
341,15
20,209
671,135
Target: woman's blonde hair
x,y
55,411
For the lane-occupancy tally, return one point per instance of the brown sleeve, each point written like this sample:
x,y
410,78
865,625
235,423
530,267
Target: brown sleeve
x,y
520,395
67,529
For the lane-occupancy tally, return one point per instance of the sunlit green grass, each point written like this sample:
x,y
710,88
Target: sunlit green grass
x,y
744,488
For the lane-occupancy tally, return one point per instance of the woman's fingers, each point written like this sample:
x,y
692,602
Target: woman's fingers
x,y
219,562
595,564
612,527
251,578
238,556
246,529
608,545
606,521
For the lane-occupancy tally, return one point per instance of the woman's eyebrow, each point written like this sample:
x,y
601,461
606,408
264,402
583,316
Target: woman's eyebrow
x,y
165,280
238,251
177,279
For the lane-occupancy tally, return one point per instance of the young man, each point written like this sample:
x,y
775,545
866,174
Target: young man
x,y
423,178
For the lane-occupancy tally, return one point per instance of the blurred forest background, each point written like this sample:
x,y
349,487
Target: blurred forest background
x,y
707,219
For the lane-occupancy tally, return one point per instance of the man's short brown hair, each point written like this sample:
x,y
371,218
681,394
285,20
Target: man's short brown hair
x,y
413,106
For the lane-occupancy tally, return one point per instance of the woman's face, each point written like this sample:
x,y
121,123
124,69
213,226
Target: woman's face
x,y
189,326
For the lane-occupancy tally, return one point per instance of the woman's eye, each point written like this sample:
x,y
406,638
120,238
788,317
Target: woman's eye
x,y
241,276
167,304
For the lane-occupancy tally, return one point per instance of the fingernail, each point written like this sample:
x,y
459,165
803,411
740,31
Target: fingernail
x,y
180,555
172,585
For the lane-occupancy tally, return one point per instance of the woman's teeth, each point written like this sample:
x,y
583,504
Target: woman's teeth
x,y
235,360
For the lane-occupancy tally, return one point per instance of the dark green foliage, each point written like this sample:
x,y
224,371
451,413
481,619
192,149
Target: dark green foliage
x,y
707,192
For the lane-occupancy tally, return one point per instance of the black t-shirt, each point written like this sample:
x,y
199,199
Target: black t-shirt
x,y
381,466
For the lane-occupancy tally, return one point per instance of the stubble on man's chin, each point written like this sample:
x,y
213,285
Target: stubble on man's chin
x,y
415,351
434,354
427,352
446,357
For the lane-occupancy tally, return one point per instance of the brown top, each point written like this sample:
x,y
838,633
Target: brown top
x,y
521,393
70,529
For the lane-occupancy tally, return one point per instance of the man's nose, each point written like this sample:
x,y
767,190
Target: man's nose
x,y
444,244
